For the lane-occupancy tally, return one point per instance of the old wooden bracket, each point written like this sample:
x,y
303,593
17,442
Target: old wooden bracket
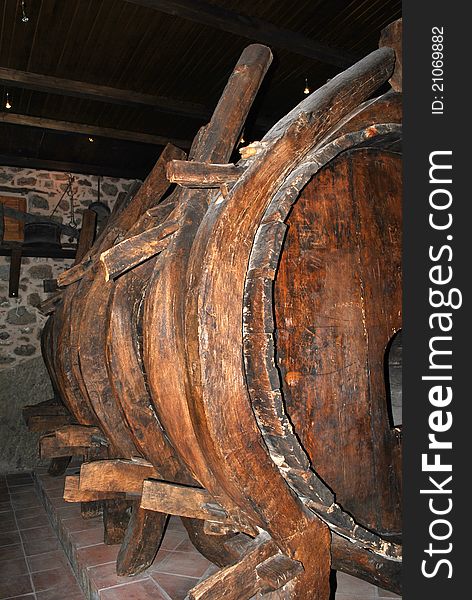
x,y
116,475
71,440
195,174
135,250
261,569
46,416
72,492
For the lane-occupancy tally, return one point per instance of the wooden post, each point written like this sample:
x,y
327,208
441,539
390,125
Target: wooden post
x,y
15,268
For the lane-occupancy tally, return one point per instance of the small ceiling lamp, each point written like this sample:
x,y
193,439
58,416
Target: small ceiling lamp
x,y
7,102
306,91
90,139
24,17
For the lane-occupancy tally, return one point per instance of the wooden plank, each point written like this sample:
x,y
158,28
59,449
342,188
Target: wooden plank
x,y
48,306
214,548
276,571
80,435
391,37
15,269
2,223
44,423
116,516
87,234
241,580
91,306
72,493
201,175
166,292
22,216
39,251
142,539
50,447
116,475
101,93
90,130
253,28
181,500
13,227
135,250
219,396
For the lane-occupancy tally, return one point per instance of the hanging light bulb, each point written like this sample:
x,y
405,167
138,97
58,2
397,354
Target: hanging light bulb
x,y
306,91
91,140
7,102
24,17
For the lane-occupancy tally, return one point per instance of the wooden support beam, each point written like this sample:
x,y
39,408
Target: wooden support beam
x,y
116,475
19,215
51,447
90,130
141,541
181,500
101,93
41,423
253,28
391,37
74,273
137,249
46,416
72,493
45,408
15,268
80,435
48,306
276,571
201,175
116,516
87,234
262,569
2,224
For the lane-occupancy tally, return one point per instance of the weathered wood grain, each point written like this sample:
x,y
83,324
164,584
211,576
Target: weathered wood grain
x,y
115,475
240,581
72,492
219,399
164,351
181,500
201,174
137,249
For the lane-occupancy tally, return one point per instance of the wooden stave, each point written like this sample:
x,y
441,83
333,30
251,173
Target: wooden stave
x,y
223,486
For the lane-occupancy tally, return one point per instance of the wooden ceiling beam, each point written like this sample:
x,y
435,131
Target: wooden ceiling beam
x,y
34,162
91,130
253,28
102,93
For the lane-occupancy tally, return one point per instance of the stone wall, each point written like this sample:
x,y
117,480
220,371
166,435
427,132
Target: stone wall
x,y
20,320
20,385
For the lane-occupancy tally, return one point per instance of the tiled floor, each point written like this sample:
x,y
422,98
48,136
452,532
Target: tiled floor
x,y
33,564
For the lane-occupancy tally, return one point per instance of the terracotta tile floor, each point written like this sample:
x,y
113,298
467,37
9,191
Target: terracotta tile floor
x,y
34,565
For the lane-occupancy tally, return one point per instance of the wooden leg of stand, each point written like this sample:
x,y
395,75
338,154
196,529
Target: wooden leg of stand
x,y
116,515
141,542
58,465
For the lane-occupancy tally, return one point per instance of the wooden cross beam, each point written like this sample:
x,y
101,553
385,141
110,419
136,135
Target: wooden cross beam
x,y
91,130
253,28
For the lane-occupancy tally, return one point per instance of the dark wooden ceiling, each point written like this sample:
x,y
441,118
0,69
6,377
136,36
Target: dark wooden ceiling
x,y
164,64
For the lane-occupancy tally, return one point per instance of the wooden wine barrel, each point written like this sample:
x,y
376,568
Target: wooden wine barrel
x,y
233,342
209,347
